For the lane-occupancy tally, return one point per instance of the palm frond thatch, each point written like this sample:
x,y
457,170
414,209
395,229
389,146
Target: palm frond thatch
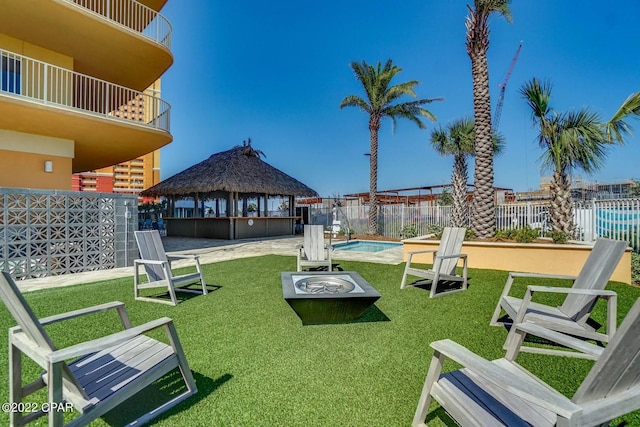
x,y
239,169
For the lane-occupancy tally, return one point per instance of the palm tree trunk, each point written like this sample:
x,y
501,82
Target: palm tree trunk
x,y
561,208
374,126
459,183
483,220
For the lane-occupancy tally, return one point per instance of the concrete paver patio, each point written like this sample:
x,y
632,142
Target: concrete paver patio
x,y
210,251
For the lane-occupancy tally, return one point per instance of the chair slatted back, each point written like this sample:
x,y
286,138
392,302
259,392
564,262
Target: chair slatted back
x,y
313,243
29,324
618,367
151,248
595,274
450,244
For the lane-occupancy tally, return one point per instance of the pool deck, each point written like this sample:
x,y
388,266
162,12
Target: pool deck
x,y
211,251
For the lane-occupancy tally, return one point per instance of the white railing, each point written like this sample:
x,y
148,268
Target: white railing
x,y
616,218
44,83
132,15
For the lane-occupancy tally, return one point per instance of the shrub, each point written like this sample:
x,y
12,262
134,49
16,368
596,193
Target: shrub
x,y
525,234
635,268
558,236
408,231
435,229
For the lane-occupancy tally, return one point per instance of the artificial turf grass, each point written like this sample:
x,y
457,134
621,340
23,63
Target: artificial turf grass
x,y
255,363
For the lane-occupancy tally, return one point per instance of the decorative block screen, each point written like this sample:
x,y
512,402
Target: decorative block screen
x,y
45,233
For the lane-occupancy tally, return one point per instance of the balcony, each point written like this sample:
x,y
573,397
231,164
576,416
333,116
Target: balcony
x,y
109,123
121,41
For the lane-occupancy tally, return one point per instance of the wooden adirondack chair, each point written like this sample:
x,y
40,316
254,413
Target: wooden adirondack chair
x,y
95,376
445,260
502,393
314,252
572,316
157,266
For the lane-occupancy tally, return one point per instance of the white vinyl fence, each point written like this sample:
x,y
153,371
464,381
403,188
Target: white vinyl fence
x,y
617,219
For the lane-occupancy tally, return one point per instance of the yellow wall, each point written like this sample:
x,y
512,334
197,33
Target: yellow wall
x,y
530,257
26,170
36,52
23,156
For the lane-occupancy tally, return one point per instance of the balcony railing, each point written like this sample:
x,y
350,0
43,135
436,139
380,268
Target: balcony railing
x,y
36,81
132,15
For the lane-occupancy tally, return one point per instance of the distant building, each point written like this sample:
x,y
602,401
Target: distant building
x,y
582,190
75,95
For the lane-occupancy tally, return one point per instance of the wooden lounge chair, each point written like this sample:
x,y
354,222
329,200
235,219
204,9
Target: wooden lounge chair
x,y
157,266
95,376
445,260
502,393
573,315
314,252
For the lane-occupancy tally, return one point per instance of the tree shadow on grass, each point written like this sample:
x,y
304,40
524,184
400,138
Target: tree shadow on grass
x,y
160,392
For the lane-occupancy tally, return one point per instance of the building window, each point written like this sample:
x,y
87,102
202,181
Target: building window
x,y
10,75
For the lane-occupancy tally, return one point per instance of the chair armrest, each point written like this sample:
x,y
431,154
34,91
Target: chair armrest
x,y
542,275
451,256
182,256
149,261
426,251
554,336
559,290
531,391
82,312
299,246
98,344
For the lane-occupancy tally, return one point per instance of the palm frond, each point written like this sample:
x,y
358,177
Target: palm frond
x,y
617,128
356,101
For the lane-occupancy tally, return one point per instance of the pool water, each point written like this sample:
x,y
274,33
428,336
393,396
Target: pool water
x,y
366,246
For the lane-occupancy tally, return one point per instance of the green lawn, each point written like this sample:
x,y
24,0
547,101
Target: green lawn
x,y
255,364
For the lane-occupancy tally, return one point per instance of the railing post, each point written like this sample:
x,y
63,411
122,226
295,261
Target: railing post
x,y
594,220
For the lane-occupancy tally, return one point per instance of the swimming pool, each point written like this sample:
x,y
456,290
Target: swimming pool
x,y
366,246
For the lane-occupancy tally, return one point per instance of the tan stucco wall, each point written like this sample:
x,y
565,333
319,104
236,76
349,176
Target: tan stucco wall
x,y
531,257
36,52
26,170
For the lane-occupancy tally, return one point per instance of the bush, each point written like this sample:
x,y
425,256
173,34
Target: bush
x,y
525,234
409,231
635,268
435,229
558,236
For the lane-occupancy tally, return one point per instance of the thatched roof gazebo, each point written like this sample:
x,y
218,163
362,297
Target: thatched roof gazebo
x,y
241,184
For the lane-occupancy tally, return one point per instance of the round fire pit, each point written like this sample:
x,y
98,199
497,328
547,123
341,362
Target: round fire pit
x,y
324,285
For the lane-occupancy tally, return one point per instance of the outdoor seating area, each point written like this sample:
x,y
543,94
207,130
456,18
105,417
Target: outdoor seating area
x,y
254,362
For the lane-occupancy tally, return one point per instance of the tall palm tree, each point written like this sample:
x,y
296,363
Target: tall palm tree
x,y
573,140
458,140
483,221
379,103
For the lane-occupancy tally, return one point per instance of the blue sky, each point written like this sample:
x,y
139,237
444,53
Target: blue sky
x,y
277,72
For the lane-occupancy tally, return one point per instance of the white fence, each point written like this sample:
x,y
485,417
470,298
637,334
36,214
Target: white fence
x,y
618,219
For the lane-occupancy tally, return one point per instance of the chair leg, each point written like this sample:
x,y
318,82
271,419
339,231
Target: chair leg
x,y
15,384
425,397
204,285
54,372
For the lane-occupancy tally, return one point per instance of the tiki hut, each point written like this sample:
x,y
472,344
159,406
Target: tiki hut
x,y
243,189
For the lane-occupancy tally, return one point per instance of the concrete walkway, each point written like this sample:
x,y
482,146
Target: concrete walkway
x,y
210,251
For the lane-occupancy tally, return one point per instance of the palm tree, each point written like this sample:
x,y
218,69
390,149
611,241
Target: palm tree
x,y
379,103
573,140
458,140
483,220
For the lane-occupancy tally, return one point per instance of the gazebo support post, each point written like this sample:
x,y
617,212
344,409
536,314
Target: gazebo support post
x,y
195,205
266,204
217,207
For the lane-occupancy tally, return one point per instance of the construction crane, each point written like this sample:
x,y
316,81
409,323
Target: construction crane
x,y
503,86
